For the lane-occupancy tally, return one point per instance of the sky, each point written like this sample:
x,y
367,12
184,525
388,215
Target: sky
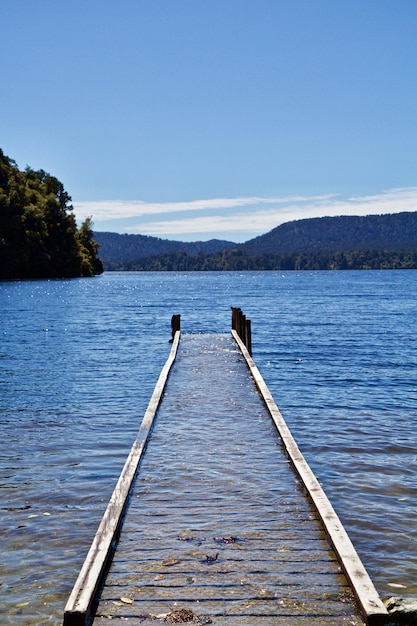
x,y
201,119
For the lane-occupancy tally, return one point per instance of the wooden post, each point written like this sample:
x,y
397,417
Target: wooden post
x,y
235,318
175,325
249,336
243,327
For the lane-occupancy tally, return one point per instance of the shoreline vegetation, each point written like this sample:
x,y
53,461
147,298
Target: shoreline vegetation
x,y
236,260
39,237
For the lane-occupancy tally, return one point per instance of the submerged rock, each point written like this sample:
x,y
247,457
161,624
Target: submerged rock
x,y
401,610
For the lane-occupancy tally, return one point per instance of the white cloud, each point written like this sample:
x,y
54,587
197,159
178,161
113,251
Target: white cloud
x,y
235,218
122,209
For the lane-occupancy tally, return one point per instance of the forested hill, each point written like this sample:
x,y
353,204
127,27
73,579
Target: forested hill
x,y
396,231
39,237
345,242
118,251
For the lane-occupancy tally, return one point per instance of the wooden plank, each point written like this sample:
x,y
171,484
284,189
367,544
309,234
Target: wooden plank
x,y
233,620
78,608
368,599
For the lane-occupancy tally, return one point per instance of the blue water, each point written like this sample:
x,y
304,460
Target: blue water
x,y
78,363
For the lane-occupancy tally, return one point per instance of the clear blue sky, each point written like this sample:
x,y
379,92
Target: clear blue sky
x,y
192,119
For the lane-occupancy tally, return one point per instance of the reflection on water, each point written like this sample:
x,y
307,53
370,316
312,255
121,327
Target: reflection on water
x,y
78,363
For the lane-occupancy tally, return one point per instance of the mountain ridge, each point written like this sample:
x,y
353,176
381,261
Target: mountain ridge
x,y
389,231
118,248
384,232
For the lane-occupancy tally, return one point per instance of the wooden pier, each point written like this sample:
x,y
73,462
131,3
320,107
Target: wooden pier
x,y
221,521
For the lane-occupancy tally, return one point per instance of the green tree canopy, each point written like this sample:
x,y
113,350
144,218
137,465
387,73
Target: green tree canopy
x,y
38,232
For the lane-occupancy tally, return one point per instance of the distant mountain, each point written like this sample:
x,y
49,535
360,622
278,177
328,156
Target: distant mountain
x,y
345,242
396,231
117,251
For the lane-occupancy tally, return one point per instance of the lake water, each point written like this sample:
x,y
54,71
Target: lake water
x,y
79,360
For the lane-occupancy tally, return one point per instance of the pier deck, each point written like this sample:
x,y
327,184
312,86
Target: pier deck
x,y
218,528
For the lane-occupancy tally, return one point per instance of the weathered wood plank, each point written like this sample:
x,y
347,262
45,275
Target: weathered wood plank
x,y
369,601
78,607
233,620
250,611
241,619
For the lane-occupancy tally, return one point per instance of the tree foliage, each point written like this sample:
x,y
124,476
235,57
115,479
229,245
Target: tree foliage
x,y
237,260
38,232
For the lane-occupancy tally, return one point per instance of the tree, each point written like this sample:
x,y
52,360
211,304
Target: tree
x,y
38,231
90,263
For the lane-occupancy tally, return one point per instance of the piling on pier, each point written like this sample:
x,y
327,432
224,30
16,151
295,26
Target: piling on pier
x,y
175,326
243,328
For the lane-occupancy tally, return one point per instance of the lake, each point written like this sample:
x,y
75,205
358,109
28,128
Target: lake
x,y
78,363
